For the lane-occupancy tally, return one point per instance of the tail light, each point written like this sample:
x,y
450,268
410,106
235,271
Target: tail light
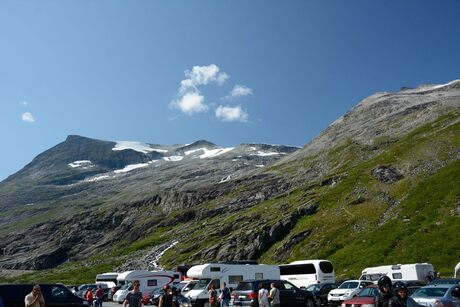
x,y
438,303
253,295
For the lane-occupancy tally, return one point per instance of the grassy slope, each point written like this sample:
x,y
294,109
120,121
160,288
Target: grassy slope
x,y
422,219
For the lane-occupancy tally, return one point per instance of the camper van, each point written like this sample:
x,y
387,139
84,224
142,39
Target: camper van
x,y
415,271
304,273
149,280
218,273
110,279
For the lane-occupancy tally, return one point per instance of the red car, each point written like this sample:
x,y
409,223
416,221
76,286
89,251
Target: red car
x,y
365,298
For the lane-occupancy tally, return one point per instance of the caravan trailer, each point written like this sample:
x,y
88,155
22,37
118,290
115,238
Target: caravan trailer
x,y
149,280
218,273
415,271
304,273
110,279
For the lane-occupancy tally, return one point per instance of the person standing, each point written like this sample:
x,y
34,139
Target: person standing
x,y
213,297
166,299
400,297
263,296
225,296
134,297
34,298
89,296
274,295
99,296
385,293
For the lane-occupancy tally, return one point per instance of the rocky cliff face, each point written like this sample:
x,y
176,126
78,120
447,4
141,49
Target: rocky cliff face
x,y
82,180
360,178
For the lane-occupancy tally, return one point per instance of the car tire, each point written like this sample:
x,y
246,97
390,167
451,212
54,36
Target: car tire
x,y
310,303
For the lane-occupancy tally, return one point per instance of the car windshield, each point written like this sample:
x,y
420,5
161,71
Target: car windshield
x,y
313,288
349,285
430,292
126,286
367,292
202,284
244,286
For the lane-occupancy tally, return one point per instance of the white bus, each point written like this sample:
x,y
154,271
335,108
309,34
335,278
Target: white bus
x,y
110,279
303,273
414,271
149,280
217,273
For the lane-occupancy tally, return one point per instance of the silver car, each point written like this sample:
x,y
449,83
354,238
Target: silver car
x,y
437,296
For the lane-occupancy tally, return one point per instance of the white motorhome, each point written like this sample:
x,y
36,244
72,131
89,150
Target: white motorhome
x,y
149,280
303,273
217,273
110,279
414,271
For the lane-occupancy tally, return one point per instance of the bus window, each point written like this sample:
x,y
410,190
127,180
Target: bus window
x,y
326,267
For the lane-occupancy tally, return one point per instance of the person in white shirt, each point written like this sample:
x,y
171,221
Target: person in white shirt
x,y
35,298
263,296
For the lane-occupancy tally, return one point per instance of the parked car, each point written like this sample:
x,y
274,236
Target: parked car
x,y
179,299
444,281
439,295
82,289
364,298
246,293
346,291
412,285
320,292
189,286
146,297
112,291
55,295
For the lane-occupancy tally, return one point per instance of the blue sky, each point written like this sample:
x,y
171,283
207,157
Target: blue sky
x,y
230,72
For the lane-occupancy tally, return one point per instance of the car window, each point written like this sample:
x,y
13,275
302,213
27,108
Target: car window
x,y
456,292
58,292
349,285
365,292
244,286
216,283
288,286
430,292
313,288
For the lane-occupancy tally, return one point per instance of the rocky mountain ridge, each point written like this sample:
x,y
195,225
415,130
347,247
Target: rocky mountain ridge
x,y
388,168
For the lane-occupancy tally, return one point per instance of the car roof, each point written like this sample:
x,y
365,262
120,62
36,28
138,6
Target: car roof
x,y
440,286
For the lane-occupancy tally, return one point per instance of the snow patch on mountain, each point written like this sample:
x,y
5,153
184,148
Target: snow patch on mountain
x,y
209,153
225,179
265,154
98,178
173,158
137,146
131,167
84,164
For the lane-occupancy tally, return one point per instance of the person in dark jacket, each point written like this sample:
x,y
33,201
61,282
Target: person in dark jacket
x,y
385,293
400,297
166,299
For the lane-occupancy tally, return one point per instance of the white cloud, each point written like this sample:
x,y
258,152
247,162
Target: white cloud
x,y
28,117
239,91
231,114
191,102
202,75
